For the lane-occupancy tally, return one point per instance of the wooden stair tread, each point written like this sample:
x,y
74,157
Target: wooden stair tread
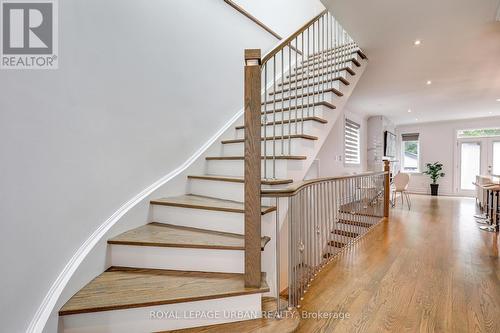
x,y
278,137
206,203
306,85
167,235
336,244
355,223
330,51
338,78
125,288
362,208
293,121
347,69
324,64
241,180
328,58
345,233
233,158
287,324
305,94
291,108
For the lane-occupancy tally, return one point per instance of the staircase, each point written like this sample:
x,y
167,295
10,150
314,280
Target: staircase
x,y
186,268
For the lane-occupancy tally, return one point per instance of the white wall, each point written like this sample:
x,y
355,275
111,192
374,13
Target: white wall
x,y
330,160
437,143
141,87
283,16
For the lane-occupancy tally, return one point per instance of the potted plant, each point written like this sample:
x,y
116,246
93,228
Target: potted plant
x,y
434,170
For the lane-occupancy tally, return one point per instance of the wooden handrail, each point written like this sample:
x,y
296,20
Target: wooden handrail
x,y
296,187
253,18
285,42
258,22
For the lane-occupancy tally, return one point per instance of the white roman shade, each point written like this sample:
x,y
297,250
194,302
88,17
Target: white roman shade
x,y
352,142
410,137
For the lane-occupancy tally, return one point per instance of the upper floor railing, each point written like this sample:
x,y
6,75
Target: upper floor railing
x,y
323,217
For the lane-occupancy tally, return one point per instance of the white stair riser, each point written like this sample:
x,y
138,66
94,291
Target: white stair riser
x,y
308,127
324,67
201,218
300,83
307,89
329,60
277,103
310,74
175,258
331,57
317,110
152,319
221,189
280,147
236,167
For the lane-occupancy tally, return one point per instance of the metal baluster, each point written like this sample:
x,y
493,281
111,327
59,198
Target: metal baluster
x,y
302,86
290,99
301,247
324,61
313,68
333,199
326,230
265,119
296,79
283,104
329,47
308,76
278,266
274,117
290,251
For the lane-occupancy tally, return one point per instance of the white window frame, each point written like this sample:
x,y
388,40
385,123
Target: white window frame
x,y
419,157
356,126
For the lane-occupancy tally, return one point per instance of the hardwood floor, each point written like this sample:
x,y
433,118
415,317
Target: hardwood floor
x,y
425,270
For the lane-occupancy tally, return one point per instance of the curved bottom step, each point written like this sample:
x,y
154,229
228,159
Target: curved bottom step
x,y
145,300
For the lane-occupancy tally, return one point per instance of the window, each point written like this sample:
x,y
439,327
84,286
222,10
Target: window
x,y
351,142
478,133
411,152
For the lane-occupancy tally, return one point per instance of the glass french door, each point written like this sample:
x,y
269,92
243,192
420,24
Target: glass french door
x,y
469,164
479,156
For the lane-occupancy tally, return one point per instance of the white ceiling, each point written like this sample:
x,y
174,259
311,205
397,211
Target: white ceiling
x,y
460,53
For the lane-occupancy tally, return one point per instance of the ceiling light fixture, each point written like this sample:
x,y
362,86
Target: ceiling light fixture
x,y
429,82
409,110
416,119
417,42
498,99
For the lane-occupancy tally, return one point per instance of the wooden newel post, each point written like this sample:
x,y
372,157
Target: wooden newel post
x,y
387,187
252,167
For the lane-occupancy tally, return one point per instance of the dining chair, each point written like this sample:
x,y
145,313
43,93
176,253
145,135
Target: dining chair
x,y
400,185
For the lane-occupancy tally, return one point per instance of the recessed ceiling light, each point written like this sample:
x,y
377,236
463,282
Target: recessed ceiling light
x,y
429,82
490,112
498,99
416,119
409,110
417,42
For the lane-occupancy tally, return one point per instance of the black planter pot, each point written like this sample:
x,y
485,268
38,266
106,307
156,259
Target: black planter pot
x,y
434,189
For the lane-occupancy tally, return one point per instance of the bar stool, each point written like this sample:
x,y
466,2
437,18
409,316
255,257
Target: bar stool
x,y
491,219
